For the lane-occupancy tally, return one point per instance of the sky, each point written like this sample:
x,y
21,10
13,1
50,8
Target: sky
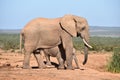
x,y
15,14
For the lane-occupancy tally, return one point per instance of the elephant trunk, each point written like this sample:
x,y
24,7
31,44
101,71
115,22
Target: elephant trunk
x,y
86,46
85,54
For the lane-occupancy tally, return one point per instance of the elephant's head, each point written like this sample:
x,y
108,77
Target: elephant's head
x,y
77,26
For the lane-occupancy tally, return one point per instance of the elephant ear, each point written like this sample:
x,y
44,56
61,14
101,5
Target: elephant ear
x,y
68,24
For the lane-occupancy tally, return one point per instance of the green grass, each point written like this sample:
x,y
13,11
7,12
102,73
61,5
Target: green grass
x,y
99,43
114,63
11,41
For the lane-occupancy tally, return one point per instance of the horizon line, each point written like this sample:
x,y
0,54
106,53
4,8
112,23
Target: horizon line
x,y
23,27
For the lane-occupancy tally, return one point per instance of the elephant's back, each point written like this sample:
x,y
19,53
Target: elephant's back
x,y
42,22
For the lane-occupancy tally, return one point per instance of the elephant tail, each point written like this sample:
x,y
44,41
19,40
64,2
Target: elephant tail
x,y
21,42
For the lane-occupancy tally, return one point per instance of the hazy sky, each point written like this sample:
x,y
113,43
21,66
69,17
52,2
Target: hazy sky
x,y
15,14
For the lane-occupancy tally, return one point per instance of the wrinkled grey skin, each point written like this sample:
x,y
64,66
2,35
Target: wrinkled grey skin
x,y
59,53
43,33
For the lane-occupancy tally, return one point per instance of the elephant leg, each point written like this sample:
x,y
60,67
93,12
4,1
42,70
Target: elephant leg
x,y
60,61
39,59
76,61
48,60
69,58
26,62
68,46
69,53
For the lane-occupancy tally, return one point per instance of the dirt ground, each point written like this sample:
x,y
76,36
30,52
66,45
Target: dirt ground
x,y
10,68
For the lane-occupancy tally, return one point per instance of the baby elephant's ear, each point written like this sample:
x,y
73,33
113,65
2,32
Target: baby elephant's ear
x,y
68,24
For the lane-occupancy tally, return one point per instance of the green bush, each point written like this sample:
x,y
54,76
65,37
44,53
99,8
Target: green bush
x,y
9,41
78,44
114,63
99,43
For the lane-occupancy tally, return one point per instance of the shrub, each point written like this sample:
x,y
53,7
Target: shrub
x,y
114,63
78,44
98,43
9,41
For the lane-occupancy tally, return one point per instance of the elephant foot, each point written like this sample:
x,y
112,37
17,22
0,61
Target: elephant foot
x,y
43,67
61,67
77,67
48,64
26,67
70,68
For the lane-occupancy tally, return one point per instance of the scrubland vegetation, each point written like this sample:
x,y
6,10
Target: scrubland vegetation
x,y
11,41
99,43
114,62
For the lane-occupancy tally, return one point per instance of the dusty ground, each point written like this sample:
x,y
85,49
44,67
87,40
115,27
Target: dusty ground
x,y
10,69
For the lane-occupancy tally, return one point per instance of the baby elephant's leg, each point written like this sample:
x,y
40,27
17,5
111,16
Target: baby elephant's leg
x,y
75,58
76,61
48,60
60,60
39,59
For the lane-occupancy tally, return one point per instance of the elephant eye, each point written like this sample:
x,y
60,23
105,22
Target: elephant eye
x,y
82,28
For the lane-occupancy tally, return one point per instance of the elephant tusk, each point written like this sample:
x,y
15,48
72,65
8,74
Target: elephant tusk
x,y
87,43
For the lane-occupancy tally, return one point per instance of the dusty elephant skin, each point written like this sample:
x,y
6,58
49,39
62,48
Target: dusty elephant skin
x,y
42,33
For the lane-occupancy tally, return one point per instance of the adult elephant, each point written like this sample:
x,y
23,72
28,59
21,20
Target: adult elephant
x,y
42,33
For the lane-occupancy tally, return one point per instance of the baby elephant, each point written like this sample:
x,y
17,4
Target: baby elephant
x,y
60,55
